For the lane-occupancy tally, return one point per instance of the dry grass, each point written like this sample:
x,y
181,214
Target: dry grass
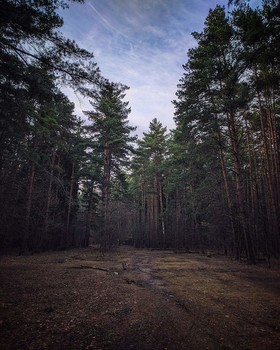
x,y
236,305
137,299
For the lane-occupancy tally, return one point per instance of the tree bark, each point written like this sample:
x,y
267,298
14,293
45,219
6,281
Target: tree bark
x,y
69,210
43,239
25,238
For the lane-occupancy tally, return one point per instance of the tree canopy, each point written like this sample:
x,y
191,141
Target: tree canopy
x,y
212,183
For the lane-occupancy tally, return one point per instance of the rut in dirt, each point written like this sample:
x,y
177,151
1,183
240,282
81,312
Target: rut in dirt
x,y
142,273
162,319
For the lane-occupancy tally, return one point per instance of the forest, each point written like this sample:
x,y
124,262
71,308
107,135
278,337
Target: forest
x,y
211,184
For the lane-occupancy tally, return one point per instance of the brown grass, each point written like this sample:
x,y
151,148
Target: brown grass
x,y
79,299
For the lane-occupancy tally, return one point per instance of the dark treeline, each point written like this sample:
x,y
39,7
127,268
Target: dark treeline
x,y
213,183
56,174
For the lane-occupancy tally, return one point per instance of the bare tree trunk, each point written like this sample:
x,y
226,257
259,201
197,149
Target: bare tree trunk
x,y
162,216
254,184
143,217
157,233
271,166
106,197
25,237
240,186
43,239
89,214
178,217
235,233
69,210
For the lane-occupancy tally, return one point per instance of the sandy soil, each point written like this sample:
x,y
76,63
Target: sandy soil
x,y
137,299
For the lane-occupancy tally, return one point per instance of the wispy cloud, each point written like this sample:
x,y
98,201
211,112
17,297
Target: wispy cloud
x,y
143,44
106,23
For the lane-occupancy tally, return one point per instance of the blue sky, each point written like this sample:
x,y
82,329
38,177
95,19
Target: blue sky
x,y
142,44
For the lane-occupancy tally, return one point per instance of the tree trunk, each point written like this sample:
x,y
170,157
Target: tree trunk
x,y
43,239
25,238
233,134
270,166
162,216
105,239
89,214
235,233
69,210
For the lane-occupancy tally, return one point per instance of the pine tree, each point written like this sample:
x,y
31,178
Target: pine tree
x,y
111,133
148,173
213,77
228,94
36,119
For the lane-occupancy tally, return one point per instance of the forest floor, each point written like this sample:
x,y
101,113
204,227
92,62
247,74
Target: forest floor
x,y
137,299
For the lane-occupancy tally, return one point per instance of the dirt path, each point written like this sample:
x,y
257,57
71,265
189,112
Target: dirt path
x,y
137,299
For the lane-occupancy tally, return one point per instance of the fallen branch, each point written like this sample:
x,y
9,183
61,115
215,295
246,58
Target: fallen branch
x,y
90,267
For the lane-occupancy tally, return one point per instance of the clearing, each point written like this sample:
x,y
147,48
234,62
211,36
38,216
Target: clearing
x,y
137,299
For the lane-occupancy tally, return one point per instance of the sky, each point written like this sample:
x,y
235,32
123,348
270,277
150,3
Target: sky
x,y
142,44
